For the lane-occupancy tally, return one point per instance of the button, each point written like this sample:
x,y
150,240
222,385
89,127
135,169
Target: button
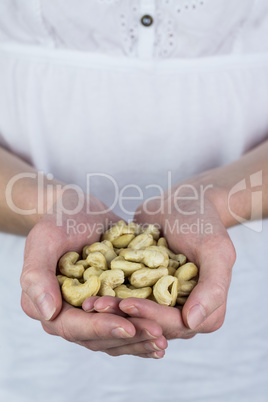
x,y
147,20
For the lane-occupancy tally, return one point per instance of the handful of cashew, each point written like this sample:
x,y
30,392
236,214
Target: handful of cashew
x,y
129,261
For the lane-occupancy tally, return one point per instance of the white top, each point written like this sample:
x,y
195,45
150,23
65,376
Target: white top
x,y
181,28
90,89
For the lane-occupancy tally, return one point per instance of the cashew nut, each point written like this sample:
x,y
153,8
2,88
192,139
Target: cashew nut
x,y
83,262
123,240
186,272
92,271
165,290
61,279
147,276
155,257
104,249
171,270
124,292
120,235
153,230
169,252
126,266
97,260
173,263
117,250
135,228
68,267
185,287
141,241
109,280
75,292
108,243
85,252
151,256
181,258
128,262
131,255
162,242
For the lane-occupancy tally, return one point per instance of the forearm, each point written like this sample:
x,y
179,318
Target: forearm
x,y
24,194
233,185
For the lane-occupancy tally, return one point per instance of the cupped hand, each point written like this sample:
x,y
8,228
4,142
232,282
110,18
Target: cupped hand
x,y
192,226
59,232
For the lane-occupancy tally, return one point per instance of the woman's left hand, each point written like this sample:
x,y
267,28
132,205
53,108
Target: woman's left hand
x,y
192,226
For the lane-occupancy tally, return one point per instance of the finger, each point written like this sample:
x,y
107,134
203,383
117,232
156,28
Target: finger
x,y
214,321
216,259
154,355
48,330
28,307
109,304
169,318
38,279
31,311
88,304
141,348
75,325
146,331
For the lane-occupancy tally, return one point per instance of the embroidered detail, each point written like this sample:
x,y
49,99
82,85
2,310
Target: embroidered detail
x,y
129,24
181,28
168,14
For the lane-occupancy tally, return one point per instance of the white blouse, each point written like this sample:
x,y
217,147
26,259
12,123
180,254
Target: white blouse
x,y
180,28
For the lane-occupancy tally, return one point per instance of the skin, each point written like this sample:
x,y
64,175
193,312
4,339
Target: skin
x,y
130,326
214,253
46,242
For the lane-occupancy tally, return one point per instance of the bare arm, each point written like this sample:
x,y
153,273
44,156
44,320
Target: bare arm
x,y
228,198
251,170
46,242
20,192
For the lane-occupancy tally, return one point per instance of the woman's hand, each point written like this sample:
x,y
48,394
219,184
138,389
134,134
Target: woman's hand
x,y
189,218
192,227
193,217
59,232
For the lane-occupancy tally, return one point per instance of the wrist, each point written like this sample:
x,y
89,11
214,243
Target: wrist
x,y
28,197
227,190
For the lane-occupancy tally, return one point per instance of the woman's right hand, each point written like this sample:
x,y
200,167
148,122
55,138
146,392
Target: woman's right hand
x,y
56,233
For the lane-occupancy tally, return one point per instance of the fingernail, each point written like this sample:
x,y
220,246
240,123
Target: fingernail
x,y
46,306
132,310
196,316
102,309
155,346
149,334
87,306
119,332
151,346
89,310
156,356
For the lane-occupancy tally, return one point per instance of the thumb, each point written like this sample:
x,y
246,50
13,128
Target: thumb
x,y
206,304
41,296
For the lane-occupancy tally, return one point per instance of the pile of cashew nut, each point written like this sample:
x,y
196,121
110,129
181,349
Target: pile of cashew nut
x,y
129,261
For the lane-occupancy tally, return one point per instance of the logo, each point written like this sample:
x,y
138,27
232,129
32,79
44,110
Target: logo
x,y
255,183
